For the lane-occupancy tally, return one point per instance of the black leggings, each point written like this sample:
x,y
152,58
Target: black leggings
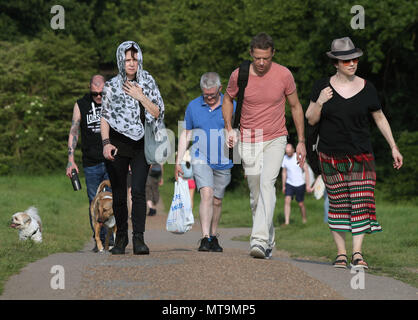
x,y
118,171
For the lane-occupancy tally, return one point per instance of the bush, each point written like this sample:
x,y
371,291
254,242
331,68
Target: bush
x,y
403,184
37,99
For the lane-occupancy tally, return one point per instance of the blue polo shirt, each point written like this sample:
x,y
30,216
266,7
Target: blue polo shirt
x,y
208,133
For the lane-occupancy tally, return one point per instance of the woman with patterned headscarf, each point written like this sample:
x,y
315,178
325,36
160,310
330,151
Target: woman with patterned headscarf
x,y
129,99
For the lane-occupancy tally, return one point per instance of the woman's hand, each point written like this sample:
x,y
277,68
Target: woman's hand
x,y
325,95
134,90
109,151
313,113
397,158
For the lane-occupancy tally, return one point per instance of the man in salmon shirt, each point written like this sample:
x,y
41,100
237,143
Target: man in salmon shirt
x,y
263,134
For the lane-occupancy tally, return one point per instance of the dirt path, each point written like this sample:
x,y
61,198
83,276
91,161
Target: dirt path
x,y
175,270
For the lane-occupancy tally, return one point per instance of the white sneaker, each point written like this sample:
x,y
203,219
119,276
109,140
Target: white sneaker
x,y
258,252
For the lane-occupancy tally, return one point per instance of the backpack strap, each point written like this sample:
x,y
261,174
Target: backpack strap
x,y
243,74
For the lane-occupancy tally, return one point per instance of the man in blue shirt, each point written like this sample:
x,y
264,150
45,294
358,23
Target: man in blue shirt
x,y
204,125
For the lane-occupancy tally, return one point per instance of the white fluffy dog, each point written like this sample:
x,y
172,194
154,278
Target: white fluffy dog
x,y
29,224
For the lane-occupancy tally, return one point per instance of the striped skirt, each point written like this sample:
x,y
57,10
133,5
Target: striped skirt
x,y
350,183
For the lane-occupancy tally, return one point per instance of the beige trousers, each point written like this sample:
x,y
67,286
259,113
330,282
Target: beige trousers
x,y
262,162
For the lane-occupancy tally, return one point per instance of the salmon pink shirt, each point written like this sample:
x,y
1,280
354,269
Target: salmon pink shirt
x,y
264,103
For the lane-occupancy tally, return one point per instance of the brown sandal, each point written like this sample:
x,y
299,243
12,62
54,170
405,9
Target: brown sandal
x,y
356,263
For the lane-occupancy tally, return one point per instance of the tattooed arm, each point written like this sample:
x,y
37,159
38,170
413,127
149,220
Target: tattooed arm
x,y
73,139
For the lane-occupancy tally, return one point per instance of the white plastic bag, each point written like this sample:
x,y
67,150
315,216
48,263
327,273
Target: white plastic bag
x,y
180,217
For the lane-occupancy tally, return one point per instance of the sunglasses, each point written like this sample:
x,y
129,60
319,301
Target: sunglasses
x,y
348,62
95,94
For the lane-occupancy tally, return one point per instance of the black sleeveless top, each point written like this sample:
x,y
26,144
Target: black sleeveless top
x,y
91,139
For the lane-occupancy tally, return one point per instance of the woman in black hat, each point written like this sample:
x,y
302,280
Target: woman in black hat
x,y
340,104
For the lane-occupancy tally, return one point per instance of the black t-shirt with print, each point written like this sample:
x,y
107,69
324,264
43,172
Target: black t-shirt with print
x,y
344,124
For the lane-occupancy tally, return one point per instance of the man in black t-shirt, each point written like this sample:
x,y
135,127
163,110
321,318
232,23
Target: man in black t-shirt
x,y
86,117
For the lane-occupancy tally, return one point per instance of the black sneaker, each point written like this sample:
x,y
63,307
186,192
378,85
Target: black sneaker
x,y
204,244
214,245
95,249
152,212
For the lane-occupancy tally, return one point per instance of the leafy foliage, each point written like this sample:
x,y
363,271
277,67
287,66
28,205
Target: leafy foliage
x,y
182,39
38,83
404,184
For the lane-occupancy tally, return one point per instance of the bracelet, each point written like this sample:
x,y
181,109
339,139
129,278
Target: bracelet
x,y
394,147
105,142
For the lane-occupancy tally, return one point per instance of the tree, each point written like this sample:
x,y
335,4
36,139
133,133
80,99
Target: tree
x,y
37,100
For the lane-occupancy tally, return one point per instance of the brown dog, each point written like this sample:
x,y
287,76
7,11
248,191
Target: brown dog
x,y
102,213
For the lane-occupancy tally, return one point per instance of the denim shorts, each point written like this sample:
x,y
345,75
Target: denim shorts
x,y
205,176
299,192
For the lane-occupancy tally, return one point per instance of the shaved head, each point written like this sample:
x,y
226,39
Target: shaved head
x,y
97,83
97,80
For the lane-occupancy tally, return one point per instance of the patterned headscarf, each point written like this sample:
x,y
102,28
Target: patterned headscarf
x,y
119,109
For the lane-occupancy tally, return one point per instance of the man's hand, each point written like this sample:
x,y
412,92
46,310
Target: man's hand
x,y
232,137
70,167
301,154
178,172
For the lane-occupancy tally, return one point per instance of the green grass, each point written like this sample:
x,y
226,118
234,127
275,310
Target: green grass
x,y
392,252
64,215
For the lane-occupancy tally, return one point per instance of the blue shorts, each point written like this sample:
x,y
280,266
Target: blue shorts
x,y
299,192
